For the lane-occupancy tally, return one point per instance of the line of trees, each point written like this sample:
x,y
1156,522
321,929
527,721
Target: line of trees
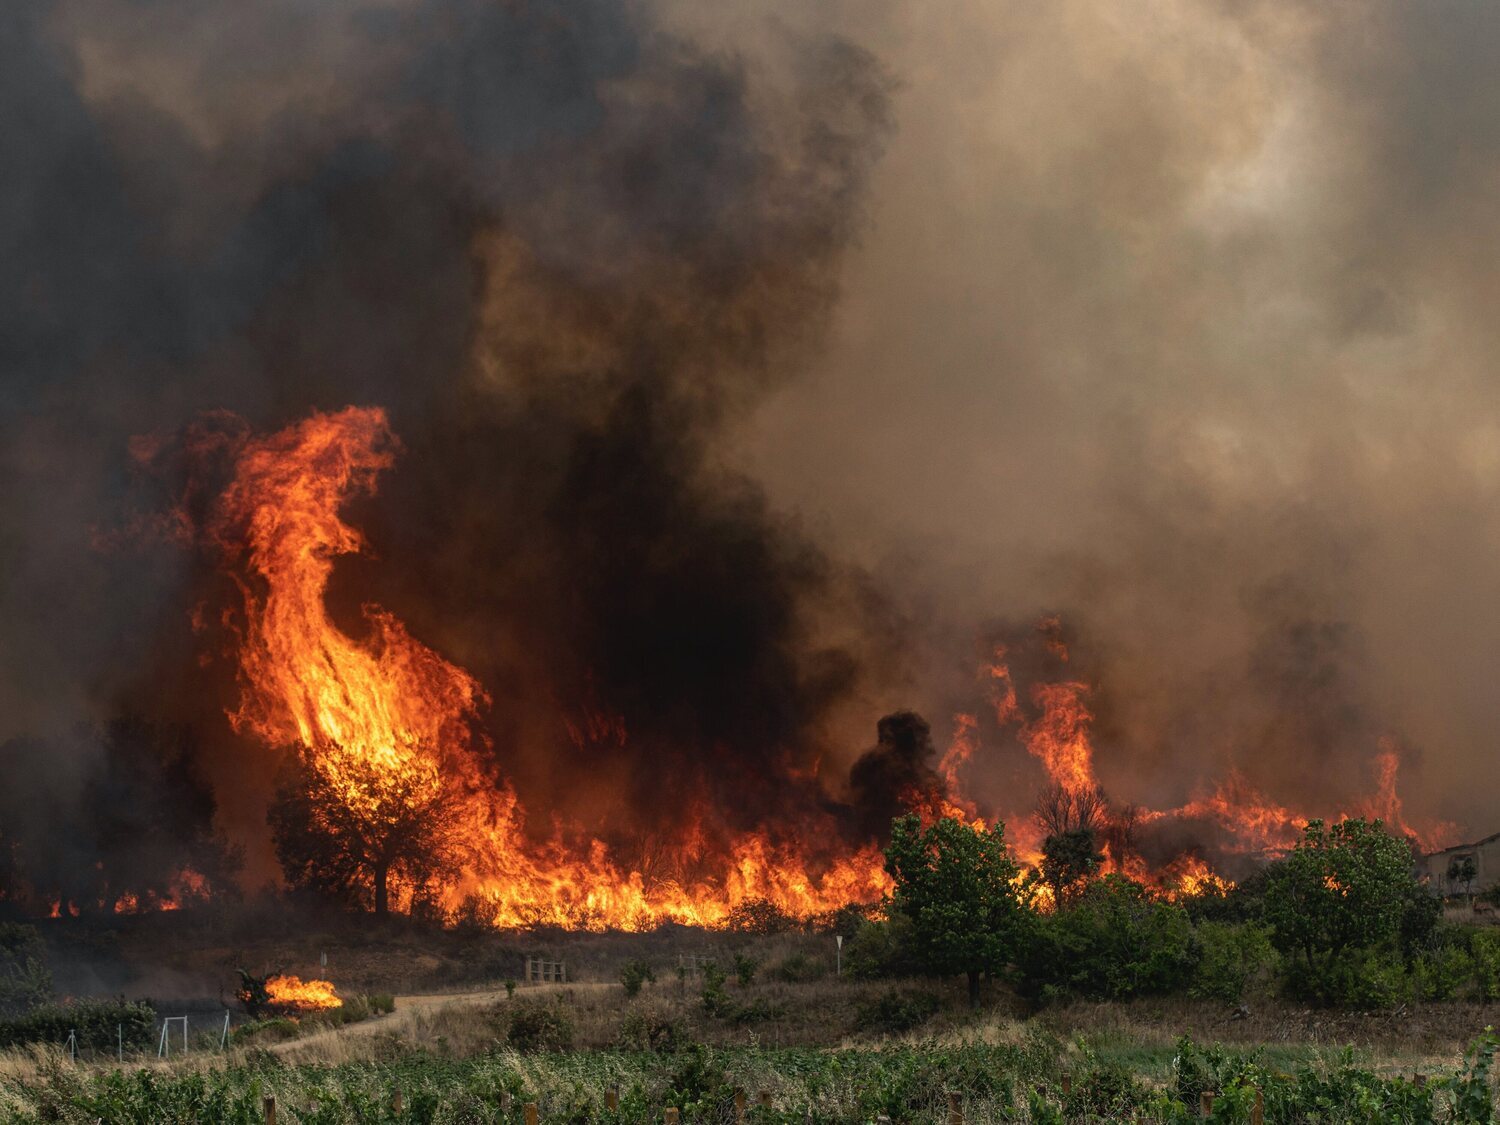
x,y
1341,919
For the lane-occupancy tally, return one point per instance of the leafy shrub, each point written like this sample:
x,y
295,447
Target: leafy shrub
x,y
25,980
1116,941
1484,952
716,1001
760,916
1231,959
634,974
474,915
800,968
539,1027
880,949
99,1023
645,1029
382,1003
895,1012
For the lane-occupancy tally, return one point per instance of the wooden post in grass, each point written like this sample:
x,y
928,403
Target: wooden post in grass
x,y
612,1100
739,1107
528,1113
396,1100
763,1099
1067,1085
1419,1080
1206,1103
669,1115
955,1110
268,1107
1258,1110
505,1100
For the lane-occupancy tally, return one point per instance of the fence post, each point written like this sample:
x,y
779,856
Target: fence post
x,y
955,1109
612,1100
120,1036
669,1115
268,1107
1206,1103
505,1101
1258,1110
1067,1085
528,1112
396,1100
739,1107
763,1099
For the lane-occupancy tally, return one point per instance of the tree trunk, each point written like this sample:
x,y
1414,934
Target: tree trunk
x,y
382,897
973,988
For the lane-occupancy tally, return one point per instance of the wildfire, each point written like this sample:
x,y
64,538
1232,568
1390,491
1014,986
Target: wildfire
x,y
1058,735
292,993
392,728
389,724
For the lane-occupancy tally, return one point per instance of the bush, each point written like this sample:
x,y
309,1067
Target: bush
x,y
25,981
633,974
99,1023
896,1012
744,969
1230,960
539,1027
382,1003
760,916
800,968
1115,942
651,1030
879,949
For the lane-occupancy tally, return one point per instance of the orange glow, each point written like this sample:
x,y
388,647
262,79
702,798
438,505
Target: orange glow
x,y
388,719
292,993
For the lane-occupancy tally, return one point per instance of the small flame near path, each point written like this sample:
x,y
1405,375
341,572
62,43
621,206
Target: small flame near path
x,y
295,994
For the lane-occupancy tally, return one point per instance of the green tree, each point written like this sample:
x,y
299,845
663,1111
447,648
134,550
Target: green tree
x,y
1462,869
1342,889
25,980
1068,858
955,885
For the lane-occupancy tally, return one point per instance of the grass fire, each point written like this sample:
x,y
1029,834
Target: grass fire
x,y
606,561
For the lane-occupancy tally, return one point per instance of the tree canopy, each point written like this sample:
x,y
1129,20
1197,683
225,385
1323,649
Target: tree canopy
x,y
1342,888
955,885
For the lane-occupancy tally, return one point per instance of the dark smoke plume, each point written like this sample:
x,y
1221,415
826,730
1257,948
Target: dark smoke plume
x,y
565,247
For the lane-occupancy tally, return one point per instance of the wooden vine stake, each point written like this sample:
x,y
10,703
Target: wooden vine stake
x,y
1206,1103
669,1115
612,1100
1258,1110
955,1110
739,1107
528,1113
268,1107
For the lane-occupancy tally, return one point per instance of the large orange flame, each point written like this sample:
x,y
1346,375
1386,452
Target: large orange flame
x,y
386,719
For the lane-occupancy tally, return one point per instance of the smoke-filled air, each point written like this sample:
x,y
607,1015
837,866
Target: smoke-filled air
x,y
595,464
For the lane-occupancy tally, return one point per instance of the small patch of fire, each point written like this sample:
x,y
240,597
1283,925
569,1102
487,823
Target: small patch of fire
x,y
293,994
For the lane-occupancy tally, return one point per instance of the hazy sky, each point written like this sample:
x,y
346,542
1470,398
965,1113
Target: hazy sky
x,y
1179,319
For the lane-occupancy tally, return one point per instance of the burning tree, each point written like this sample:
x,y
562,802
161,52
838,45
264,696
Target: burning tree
x,y
352,830
1073,818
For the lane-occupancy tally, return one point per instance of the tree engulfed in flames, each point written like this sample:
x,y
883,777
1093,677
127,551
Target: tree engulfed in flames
x,y
388,720
388,723
293,994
